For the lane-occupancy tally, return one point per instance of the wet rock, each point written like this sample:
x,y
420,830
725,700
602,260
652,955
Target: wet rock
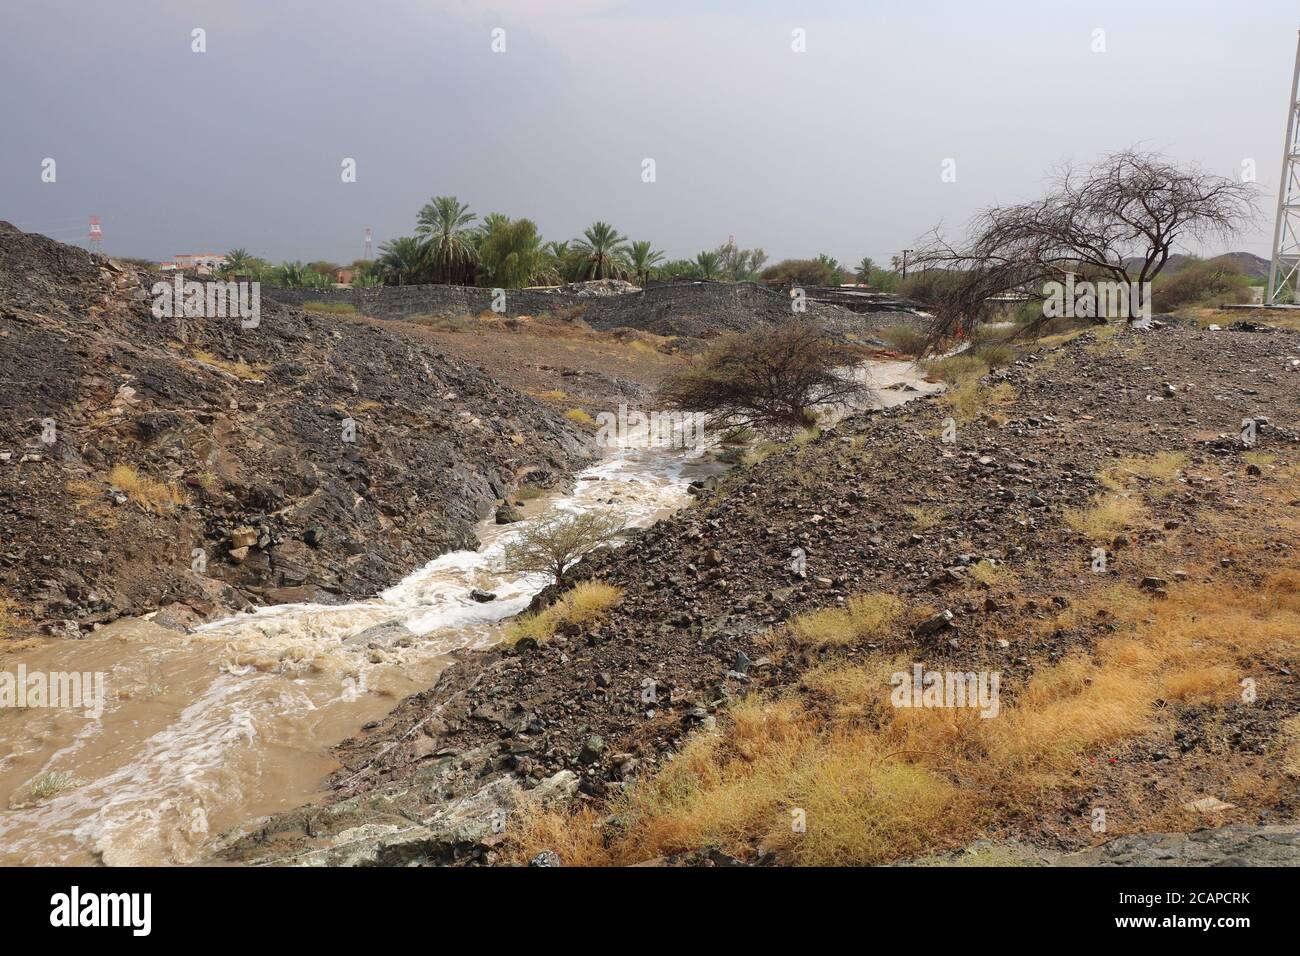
x,y
481,596
507,514
388,633
67,629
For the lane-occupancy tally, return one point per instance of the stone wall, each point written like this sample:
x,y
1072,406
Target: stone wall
x,y
698,309
399,302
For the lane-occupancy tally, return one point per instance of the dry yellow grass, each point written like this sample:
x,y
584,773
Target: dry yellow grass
x,y
760,452
590,601
829,627
864,617
150,492
806,436
1106,517
1162,466
873,783
584,603
969,399
239,369
580,417
990,574
926,516
962,368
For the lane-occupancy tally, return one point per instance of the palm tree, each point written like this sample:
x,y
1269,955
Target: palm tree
x,y
642,259
864,270
708,265
312,279
493,220
290,275
238,261
511,255
444,222
403,261
601,257
679,269
566,261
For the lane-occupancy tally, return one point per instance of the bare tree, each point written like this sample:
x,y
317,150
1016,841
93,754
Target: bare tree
x,y
1119,220
555,544
770,379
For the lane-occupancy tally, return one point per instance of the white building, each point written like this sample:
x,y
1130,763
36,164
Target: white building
x,y
200,263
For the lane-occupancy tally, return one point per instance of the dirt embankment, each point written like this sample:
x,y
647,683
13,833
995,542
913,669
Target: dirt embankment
x,y
194,464
987,549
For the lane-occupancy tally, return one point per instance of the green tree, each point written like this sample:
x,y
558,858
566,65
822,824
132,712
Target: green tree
x,y
642,259
739,264
678,269
511,255
290,275
443,223
238,261
404,261
601,257
555,544
801,272
835,272
365,274
864,270
708,265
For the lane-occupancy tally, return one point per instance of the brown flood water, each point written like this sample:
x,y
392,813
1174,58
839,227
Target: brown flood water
x,y
205,731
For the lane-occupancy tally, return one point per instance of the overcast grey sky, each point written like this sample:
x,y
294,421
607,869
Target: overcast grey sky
x,y
838,149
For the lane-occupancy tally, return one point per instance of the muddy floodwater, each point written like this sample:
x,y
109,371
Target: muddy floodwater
x,y
200,732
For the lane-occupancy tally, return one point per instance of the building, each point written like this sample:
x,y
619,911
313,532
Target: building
x,y
199,263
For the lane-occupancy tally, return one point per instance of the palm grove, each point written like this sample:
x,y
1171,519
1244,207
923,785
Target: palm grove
x,y
454,246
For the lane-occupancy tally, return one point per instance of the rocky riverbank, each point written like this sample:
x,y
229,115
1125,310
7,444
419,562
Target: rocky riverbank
x,y
193,465
986,541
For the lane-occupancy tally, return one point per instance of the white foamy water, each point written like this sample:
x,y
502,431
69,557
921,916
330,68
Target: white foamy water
x,y
205,731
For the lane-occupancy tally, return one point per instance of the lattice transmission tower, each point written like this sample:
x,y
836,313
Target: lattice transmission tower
x,y
1284,271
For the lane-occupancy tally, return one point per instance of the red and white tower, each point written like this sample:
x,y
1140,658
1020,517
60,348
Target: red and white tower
x,y
96,236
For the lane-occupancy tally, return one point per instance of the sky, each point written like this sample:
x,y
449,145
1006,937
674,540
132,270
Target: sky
x,y
839,149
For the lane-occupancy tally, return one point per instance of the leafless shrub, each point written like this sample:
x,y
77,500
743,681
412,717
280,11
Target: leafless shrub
x,y
1117,220
768,380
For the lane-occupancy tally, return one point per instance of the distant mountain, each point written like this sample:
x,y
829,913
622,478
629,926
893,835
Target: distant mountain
x,y
1246,262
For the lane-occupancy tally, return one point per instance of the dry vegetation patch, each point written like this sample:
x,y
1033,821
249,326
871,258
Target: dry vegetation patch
x,y
830,772
150,493
586,603
1105,517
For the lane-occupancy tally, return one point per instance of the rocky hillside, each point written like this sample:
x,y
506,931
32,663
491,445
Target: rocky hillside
x,y
1120,688
194,464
